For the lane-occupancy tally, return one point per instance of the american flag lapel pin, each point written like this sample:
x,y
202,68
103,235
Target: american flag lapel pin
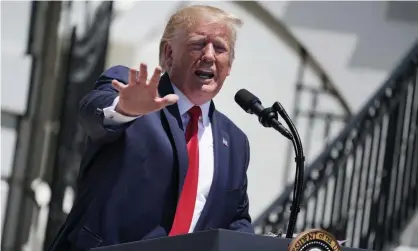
x,y
224,142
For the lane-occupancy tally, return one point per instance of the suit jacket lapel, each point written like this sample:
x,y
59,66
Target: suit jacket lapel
x,y
176,127
221,165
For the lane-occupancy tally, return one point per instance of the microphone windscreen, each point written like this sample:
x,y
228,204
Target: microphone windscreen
x,y
246,100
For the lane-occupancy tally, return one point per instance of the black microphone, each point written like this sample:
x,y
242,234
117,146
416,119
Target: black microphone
x,y
266,116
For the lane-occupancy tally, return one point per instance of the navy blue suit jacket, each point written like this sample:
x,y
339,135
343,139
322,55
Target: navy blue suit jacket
x,y
131,174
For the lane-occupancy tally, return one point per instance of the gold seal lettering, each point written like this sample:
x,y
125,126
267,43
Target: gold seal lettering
x,y
312,237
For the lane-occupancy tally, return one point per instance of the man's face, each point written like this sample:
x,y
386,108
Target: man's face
x,y
199,60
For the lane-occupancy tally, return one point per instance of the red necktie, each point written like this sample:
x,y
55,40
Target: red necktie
x,y
187,200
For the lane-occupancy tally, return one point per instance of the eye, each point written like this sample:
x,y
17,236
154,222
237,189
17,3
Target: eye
x,y
219,47
197,45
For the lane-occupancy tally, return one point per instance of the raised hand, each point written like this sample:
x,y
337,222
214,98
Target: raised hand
x,y
139,96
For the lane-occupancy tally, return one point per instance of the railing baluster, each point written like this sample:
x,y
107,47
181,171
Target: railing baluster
x,y
367,199
414,181
351,184
375,204
320,200
396,169
327,129
337,190
414,164
409,152
311,123
387,174
356,207
343,209
406,143
324,214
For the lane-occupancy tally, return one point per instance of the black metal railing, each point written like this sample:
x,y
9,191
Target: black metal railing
x,y
363,187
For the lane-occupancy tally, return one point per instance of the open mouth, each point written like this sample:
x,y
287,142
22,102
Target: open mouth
x,y
204,74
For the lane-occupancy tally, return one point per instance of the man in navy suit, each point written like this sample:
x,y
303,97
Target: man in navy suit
x,y
161,159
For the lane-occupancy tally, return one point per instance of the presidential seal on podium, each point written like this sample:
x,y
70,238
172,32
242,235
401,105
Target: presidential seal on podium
x,y
314,240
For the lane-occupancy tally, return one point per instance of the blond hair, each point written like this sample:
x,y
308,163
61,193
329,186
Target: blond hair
x,y
186,17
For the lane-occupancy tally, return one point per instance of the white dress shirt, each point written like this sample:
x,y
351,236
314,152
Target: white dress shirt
x,y
206,156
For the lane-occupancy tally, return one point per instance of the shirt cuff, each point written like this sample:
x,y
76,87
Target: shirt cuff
x,y
112,117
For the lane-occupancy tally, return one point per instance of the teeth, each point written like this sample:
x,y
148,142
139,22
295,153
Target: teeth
x,y
208,71
204,76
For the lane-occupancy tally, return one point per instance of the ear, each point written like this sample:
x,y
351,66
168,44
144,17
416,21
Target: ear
x,y
231,61
168,54
230,67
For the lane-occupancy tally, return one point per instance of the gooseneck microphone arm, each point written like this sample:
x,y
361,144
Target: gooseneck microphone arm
x,y
300,160
268,118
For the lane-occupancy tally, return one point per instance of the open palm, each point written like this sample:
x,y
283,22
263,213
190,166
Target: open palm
x,y
139,96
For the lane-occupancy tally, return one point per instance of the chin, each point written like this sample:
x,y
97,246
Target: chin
x,y
212,87
203,95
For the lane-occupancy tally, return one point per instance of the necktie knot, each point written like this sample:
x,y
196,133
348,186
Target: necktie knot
x,y
195,113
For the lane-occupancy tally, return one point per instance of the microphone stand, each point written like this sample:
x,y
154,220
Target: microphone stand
x,y
299,159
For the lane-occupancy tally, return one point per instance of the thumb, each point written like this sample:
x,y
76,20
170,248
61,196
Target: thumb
x,y
167,100
118,85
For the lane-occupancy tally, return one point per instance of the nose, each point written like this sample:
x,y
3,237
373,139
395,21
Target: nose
x,y
208,53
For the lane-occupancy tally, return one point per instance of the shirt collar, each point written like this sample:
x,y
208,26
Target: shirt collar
x,y
184,105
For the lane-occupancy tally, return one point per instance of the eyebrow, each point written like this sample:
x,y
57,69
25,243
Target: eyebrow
x,y
196,39
202,37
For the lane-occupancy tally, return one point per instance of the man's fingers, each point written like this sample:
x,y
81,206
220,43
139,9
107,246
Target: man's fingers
x,y
167,100
155,79
143,74
132,76
118,85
